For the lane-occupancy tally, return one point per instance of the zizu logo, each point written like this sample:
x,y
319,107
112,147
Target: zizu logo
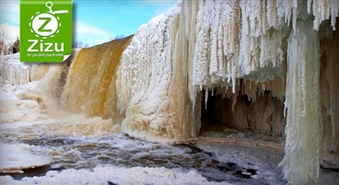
x,y
46,36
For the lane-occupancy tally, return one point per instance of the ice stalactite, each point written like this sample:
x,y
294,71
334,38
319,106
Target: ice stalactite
x,y
227,47
90,86
303,130
323,10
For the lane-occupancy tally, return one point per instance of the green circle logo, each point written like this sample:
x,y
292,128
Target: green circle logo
x,y
46,24
45,30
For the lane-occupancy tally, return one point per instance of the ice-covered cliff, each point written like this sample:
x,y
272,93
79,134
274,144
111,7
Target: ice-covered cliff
x,y
235,49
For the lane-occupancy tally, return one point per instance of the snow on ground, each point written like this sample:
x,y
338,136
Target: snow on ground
x,y
102,175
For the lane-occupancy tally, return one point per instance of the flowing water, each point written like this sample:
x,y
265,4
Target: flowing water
x,y
87,152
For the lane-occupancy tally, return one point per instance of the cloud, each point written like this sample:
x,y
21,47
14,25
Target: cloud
x,y
9,32
10,6
90,34
10,11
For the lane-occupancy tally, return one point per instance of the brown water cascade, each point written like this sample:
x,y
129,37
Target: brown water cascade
x,y
90,87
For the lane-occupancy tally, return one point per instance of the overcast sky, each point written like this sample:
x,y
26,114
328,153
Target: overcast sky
x,y
95,21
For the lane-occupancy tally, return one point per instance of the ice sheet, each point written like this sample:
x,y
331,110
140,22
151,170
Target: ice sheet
x,y
16,157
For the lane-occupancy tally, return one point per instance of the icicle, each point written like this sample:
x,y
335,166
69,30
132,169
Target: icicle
x,y
309,6
322,10
206,98
234,100
303,132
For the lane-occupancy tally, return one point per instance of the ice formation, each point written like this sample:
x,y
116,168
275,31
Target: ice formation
x,y
303,129
16,72
16,157
200,49
242,46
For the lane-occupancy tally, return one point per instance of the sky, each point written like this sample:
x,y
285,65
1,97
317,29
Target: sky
x,y
96,21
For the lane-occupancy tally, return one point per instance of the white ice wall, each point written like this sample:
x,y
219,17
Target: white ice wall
x,y
145,80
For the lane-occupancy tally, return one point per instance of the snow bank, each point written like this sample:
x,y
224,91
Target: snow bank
x,y
102,175
16,157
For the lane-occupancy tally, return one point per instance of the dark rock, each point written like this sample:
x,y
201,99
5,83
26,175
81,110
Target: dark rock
x,y
246,173
111,183
230,166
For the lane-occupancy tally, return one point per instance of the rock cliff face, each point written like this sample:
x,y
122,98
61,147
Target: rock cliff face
x,y
245,60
